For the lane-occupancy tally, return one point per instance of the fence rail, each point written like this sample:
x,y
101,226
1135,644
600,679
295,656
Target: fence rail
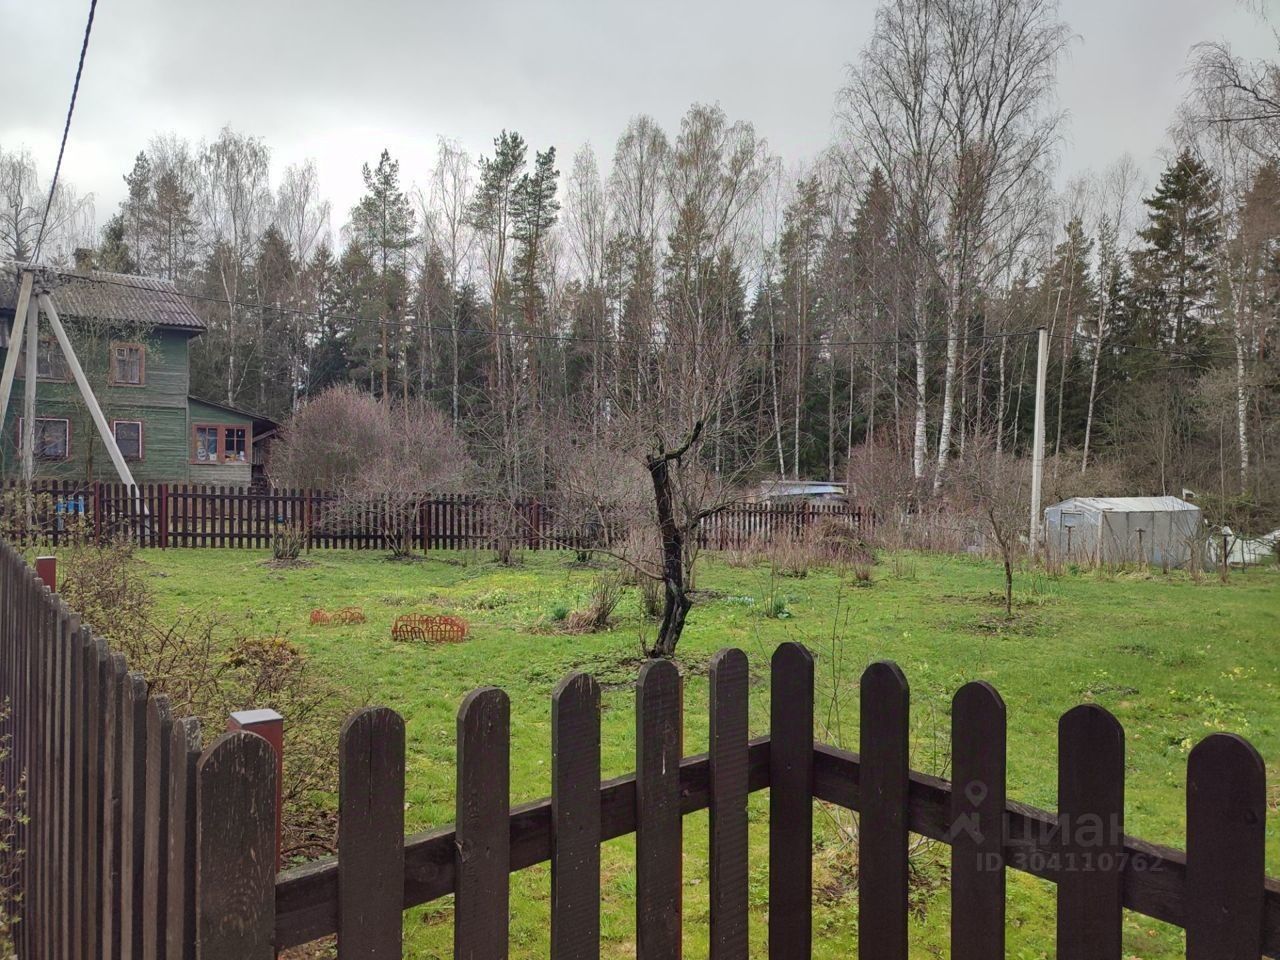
x,y
192,515
141,842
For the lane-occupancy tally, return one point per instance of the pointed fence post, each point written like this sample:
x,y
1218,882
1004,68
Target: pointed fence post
x,y
269,725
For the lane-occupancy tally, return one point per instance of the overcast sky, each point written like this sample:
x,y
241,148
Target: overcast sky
x,y
337,81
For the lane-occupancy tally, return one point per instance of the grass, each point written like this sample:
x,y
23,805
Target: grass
x,y
1174,660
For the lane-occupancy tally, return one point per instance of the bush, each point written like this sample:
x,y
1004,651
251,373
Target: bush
x,y
652,597
287,541
209,668
792,556
606,592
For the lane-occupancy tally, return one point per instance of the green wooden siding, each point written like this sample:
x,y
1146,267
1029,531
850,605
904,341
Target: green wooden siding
x,y
230,474
160,403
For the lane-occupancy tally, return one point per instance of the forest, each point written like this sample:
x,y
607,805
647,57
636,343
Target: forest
x,y
867,313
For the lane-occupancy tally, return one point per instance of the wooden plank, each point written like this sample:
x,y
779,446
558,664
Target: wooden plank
x,y
307,896
659,830
883,830
98,692
113,775
180,900
236,849
483,855
1091,834
791,803
727,740
155,854
371,836
575,819
978,760
133,813
73,790
1226,849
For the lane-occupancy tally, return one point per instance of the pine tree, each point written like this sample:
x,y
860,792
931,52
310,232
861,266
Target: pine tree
x,y
1175,268
114,255
383,223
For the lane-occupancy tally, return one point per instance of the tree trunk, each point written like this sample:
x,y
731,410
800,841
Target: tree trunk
x,y
948,405
676,603
917,462
1242,410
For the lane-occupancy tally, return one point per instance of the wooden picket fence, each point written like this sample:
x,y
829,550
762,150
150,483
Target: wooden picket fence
x,y
141,841
194,515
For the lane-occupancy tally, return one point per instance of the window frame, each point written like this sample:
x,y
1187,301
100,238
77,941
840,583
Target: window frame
x,y
142,363
142,439
20,423
52,344
221,459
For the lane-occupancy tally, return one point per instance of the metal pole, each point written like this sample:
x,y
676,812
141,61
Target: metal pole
x,y
1037,445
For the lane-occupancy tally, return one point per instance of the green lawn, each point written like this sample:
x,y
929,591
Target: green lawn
x,y
1174,660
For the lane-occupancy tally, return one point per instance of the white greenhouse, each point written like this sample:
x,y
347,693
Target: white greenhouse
x,y
1162,531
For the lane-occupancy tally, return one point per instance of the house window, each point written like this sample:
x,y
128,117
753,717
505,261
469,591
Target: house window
x,y
53,437
128,364
235,445
50,363
206,437
220,443
129,438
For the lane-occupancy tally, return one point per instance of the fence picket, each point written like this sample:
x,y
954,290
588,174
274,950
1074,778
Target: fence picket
x,y
791,803
180,900
575,819
236,849
659,736
1226,849
1091,834
978,748
882,832
133,816
155,854
483,859
727,749
371,836
113,774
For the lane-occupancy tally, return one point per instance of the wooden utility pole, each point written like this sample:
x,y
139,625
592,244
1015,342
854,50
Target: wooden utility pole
x,y
29,397
95,411
1037,446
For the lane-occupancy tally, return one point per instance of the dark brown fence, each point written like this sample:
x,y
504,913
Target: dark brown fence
x,y
191,515
142,842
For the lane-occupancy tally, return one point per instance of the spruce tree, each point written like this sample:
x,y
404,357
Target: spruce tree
x,y
1175,267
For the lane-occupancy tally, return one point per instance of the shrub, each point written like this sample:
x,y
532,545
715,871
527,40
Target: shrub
x,y
287,541
606,592
652,596
792,556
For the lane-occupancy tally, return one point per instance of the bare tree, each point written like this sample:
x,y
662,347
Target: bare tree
x,y
379,459
995,486
23,202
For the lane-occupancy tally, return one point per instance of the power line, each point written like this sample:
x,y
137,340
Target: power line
x,y
66,130
556,337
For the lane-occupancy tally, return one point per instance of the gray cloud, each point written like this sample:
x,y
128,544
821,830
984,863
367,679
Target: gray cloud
x,y
337,81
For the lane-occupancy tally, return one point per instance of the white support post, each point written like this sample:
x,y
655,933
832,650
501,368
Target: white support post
x,y
1037,444
15,344
32,374
104,428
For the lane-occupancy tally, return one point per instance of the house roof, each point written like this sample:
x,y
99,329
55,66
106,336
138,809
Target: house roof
x,y
261,424
99,295
1127,504
800,488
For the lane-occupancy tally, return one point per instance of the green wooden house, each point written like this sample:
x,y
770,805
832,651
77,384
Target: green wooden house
x,y
132,336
